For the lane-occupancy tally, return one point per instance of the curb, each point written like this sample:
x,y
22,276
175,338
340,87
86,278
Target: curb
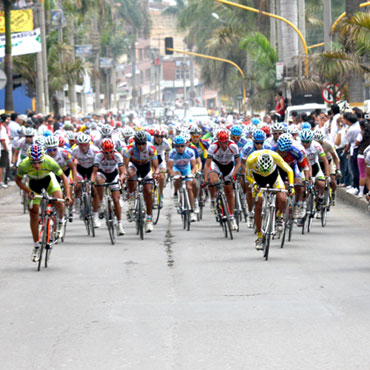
x,y
352,200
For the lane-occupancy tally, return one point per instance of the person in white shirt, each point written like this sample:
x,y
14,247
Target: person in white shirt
x,y
333,129
353,130
4,152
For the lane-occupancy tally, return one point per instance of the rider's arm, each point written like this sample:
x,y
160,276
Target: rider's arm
x,y
237,165
169,167
67,189
193,163
284,166
155,165
73,168
336,159
126,161
94,174
207,166
22,185
122,173
326,164
15,156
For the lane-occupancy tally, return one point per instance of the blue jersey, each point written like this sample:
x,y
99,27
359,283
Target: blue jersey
x,y
247,150
269,143
242,143
181,161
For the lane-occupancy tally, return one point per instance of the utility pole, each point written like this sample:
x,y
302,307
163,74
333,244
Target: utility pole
x,y
327,24
184,72
302,22
97,60
40,91
273,24
9,104
133,66
41,13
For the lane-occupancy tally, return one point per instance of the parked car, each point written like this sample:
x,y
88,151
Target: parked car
x,y
304,108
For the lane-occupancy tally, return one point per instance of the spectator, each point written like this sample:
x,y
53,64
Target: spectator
x,y
352,148
4,153
363,141
340,143
280,106
333,129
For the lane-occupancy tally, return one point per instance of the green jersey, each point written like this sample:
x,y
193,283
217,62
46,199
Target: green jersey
x,y
48,165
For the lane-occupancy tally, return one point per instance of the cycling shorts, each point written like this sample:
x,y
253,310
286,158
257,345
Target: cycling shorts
x,y
142,170
49,183
296,170
111,177
317,172
184,171
162,164
222,169
83,172
332,167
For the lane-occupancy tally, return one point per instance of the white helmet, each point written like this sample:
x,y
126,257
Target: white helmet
x,y
82,138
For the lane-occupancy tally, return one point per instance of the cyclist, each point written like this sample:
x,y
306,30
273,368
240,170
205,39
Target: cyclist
x,y
181,162
41,171
108,167
202,145
163,148
83,155
140,158
277,129
21,150
262,170
106,132
315,152
128,135
294,154
61,156
333,159
223,159
259,138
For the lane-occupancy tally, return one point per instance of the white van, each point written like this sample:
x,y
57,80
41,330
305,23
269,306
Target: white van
x,y
304,108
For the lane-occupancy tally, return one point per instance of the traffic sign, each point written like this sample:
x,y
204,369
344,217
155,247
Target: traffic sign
x,y
2,79
329,91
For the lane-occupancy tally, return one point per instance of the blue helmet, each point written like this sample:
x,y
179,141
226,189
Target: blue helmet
x,y
284,142
149,137
259,135
47,133
255,121
306,135
178,140
236,130
305,125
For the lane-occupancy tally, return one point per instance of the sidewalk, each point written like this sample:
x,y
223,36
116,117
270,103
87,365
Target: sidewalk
x,y
352,200
12,187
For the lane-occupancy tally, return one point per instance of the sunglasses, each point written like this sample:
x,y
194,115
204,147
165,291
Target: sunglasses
x,y
140,144
305,142
258,143
52,150
160,136
196,136
107,152
180,146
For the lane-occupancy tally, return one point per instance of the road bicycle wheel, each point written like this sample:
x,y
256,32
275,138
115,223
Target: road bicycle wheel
x,y
156,205
286,224
227,217
140,218
51,238
44,240
268,234
86,212
25,202
244,206
110,221
187,210
310,212
201,201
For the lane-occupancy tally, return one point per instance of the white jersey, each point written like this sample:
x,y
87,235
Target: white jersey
x,y
85,160
223,157
108,165
23,147
314,152
162,148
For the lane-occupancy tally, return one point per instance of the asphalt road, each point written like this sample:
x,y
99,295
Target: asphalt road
x,y
186,300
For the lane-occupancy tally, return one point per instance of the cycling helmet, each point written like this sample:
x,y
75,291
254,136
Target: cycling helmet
x,y
223,136
293,129
82,138
29,131
51,142
306,125
195,130
179,140
255,121
128,131
236,131
40,140
306,135
62,141
70,135
319,135
284,142
21,130
265,162
185,135
160,131
68,126
47,133
106,130
259,136
140,137
149,137
266,129
36,153
107,145
277,127
252,129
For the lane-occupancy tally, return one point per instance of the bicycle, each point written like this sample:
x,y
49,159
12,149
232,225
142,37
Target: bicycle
x,y
268,216
243,202
86,206
156,203
138,214
202,196
49,226
184,208
288,222
222,210
109,214
310,208
325,207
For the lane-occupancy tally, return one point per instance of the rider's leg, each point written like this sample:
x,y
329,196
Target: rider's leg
x,y
148,197
190,193
34,222
116,195
229,192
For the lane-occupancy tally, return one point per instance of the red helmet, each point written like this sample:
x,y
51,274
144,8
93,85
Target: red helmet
x,y
151,131
266,129
107,145
62,142
118,124
223,136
